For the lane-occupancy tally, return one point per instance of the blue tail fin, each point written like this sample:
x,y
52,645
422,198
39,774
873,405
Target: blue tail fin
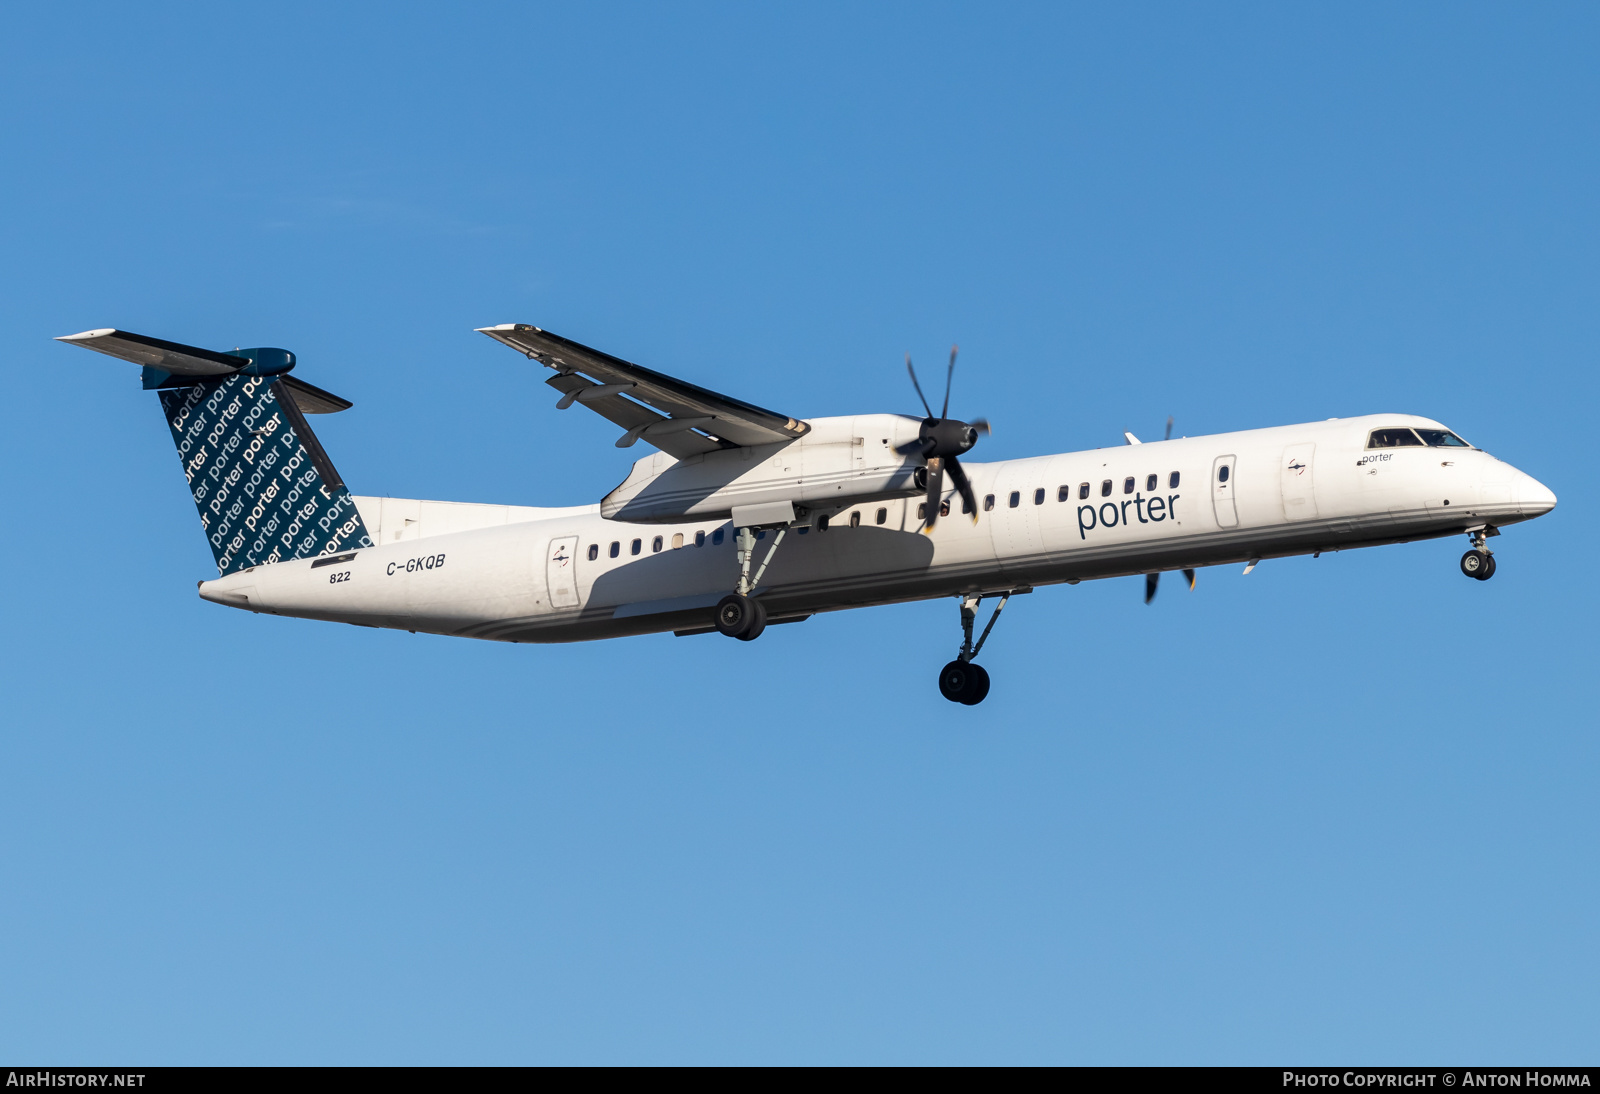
x,y
265,489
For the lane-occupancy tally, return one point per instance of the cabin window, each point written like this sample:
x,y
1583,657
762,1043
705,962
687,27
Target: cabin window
x,y
1038,496
1063,493
1105,489
1393,438
883,516
1127,485
716,538
1083,490
616,548
634,549
594,551
700,538
1172,481
922,511
1441,438
944,508
822,523
655,545
988,502
677,540
1151,483
1222,473
855,518
1016,498
965,508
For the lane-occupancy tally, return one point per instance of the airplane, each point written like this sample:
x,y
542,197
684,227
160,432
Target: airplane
x,y
743,518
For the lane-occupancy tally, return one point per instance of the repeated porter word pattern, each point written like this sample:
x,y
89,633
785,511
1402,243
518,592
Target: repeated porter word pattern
x,y
260,495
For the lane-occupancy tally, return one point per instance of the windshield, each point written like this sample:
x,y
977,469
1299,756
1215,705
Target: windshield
x,y
1442,438
1393,438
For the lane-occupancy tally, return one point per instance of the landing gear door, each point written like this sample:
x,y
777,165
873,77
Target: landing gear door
x,y
561,572
1222,488
1294,471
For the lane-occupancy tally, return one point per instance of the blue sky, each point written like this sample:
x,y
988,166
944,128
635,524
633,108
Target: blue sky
x,y
1342,809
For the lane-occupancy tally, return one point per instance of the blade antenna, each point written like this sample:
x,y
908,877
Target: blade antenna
x,y
1169,428
918,386
949,375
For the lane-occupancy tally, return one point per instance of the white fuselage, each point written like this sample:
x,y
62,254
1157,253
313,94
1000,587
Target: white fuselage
x,y
556,575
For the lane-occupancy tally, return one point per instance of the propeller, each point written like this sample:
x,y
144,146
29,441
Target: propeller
x,y
1152,580
940,441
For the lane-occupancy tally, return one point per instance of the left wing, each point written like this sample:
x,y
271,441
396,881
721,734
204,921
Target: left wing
x,y
679,418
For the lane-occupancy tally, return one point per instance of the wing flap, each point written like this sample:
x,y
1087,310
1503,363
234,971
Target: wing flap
x,y
731,420
636,419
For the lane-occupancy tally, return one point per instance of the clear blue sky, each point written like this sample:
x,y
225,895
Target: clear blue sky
x,y
1338,810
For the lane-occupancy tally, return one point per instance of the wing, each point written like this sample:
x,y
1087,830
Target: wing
x,y
679,418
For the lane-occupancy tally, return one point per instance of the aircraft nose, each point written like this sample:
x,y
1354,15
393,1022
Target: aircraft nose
x,y
1534,498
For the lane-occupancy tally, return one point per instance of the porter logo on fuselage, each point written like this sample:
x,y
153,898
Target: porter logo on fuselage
x,y
1112,513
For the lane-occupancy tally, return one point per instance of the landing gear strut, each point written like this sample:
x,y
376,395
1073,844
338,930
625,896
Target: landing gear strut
x,y
961,681
739,614
1479,562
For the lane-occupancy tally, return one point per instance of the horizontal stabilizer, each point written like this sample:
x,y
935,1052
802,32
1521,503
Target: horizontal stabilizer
x,y
170,357
170,365
313,400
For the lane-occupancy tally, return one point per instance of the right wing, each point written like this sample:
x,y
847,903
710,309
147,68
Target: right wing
x,y
677,417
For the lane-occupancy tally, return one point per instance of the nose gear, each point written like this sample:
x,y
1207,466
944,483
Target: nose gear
x,y
1479,562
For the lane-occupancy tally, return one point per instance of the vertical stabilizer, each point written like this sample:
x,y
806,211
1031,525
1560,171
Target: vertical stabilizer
x,y
265,489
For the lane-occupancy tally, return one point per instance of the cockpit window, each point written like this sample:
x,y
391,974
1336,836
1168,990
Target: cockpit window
x,y
1393,438
1441,438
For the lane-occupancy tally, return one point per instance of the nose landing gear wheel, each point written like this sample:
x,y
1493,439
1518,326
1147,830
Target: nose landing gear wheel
x,y
963,682
741,617
1478,564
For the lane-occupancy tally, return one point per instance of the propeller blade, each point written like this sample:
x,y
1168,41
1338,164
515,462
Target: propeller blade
x,y
949,374
1168,437
1150,583
968,499
935,491
981,425
1189,576
918,386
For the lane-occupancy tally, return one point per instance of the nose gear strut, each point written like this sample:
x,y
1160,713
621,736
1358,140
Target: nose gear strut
x,y
1479,562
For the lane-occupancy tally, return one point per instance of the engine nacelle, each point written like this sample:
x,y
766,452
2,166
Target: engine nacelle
x,y
840,462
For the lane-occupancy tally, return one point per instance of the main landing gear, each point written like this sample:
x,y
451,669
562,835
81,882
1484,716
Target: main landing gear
x,y
1479,562
961,681
739,614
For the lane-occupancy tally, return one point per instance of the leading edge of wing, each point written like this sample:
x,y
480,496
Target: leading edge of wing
x,y
737,422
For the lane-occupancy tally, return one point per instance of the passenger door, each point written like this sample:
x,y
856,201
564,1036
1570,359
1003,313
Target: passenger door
x,y
561,572
1222,490
1295,472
